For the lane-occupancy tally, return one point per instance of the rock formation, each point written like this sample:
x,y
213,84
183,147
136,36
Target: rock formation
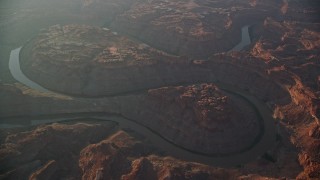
x,y
109,64
197,29
160,63
50,151
100,155
201,116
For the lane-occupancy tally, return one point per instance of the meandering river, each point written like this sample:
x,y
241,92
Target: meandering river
x,y
266,141
14,67
245,39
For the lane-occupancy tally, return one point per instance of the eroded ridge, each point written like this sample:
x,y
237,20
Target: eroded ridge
x,y
205,118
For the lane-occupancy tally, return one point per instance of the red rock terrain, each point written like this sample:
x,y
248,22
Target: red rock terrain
x,y
206,100
280,67
218,122
194,28
109,64
290,48
89,56
50,151
84,151
123,157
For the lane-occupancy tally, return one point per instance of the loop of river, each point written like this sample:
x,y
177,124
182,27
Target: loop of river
x,y
267,138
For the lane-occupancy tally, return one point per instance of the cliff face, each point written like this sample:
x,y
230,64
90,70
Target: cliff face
x,y
309,157
291,51
123,157
51,152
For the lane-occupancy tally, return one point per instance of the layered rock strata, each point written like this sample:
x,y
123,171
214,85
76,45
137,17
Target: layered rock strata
x,y
51,152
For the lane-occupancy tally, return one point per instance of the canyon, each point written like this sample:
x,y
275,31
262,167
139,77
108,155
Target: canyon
x,y
165,66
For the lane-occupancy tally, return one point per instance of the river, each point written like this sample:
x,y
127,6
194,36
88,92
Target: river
x,y
266,141
245,39
14,67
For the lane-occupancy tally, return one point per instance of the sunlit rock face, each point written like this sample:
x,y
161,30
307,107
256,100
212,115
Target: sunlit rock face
x,y
291,51
290,48
309,158
121,156
92,151
50,151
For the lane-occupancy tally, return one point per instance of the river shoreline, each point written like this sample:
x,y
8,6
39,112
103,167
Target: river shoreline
x,y
265,139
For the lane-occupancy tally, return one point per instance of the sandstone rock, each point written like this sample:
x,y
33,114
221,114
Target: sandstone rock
x,y
49,150
46,172
141,169
108,158
198,116
281,68
193,28
121,157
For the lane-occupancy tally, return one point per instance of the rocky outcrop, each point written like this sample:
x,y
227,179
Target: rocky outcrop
x,y
281,68
89,56
309,157
93,155
40,153
291,51
111,64
170,168
49,151
193,28
202,127
97,152
108,158
210,105
201,118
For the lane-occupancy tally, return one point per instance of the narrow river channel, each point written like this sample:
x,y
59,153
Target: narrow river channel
x,y
266,141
